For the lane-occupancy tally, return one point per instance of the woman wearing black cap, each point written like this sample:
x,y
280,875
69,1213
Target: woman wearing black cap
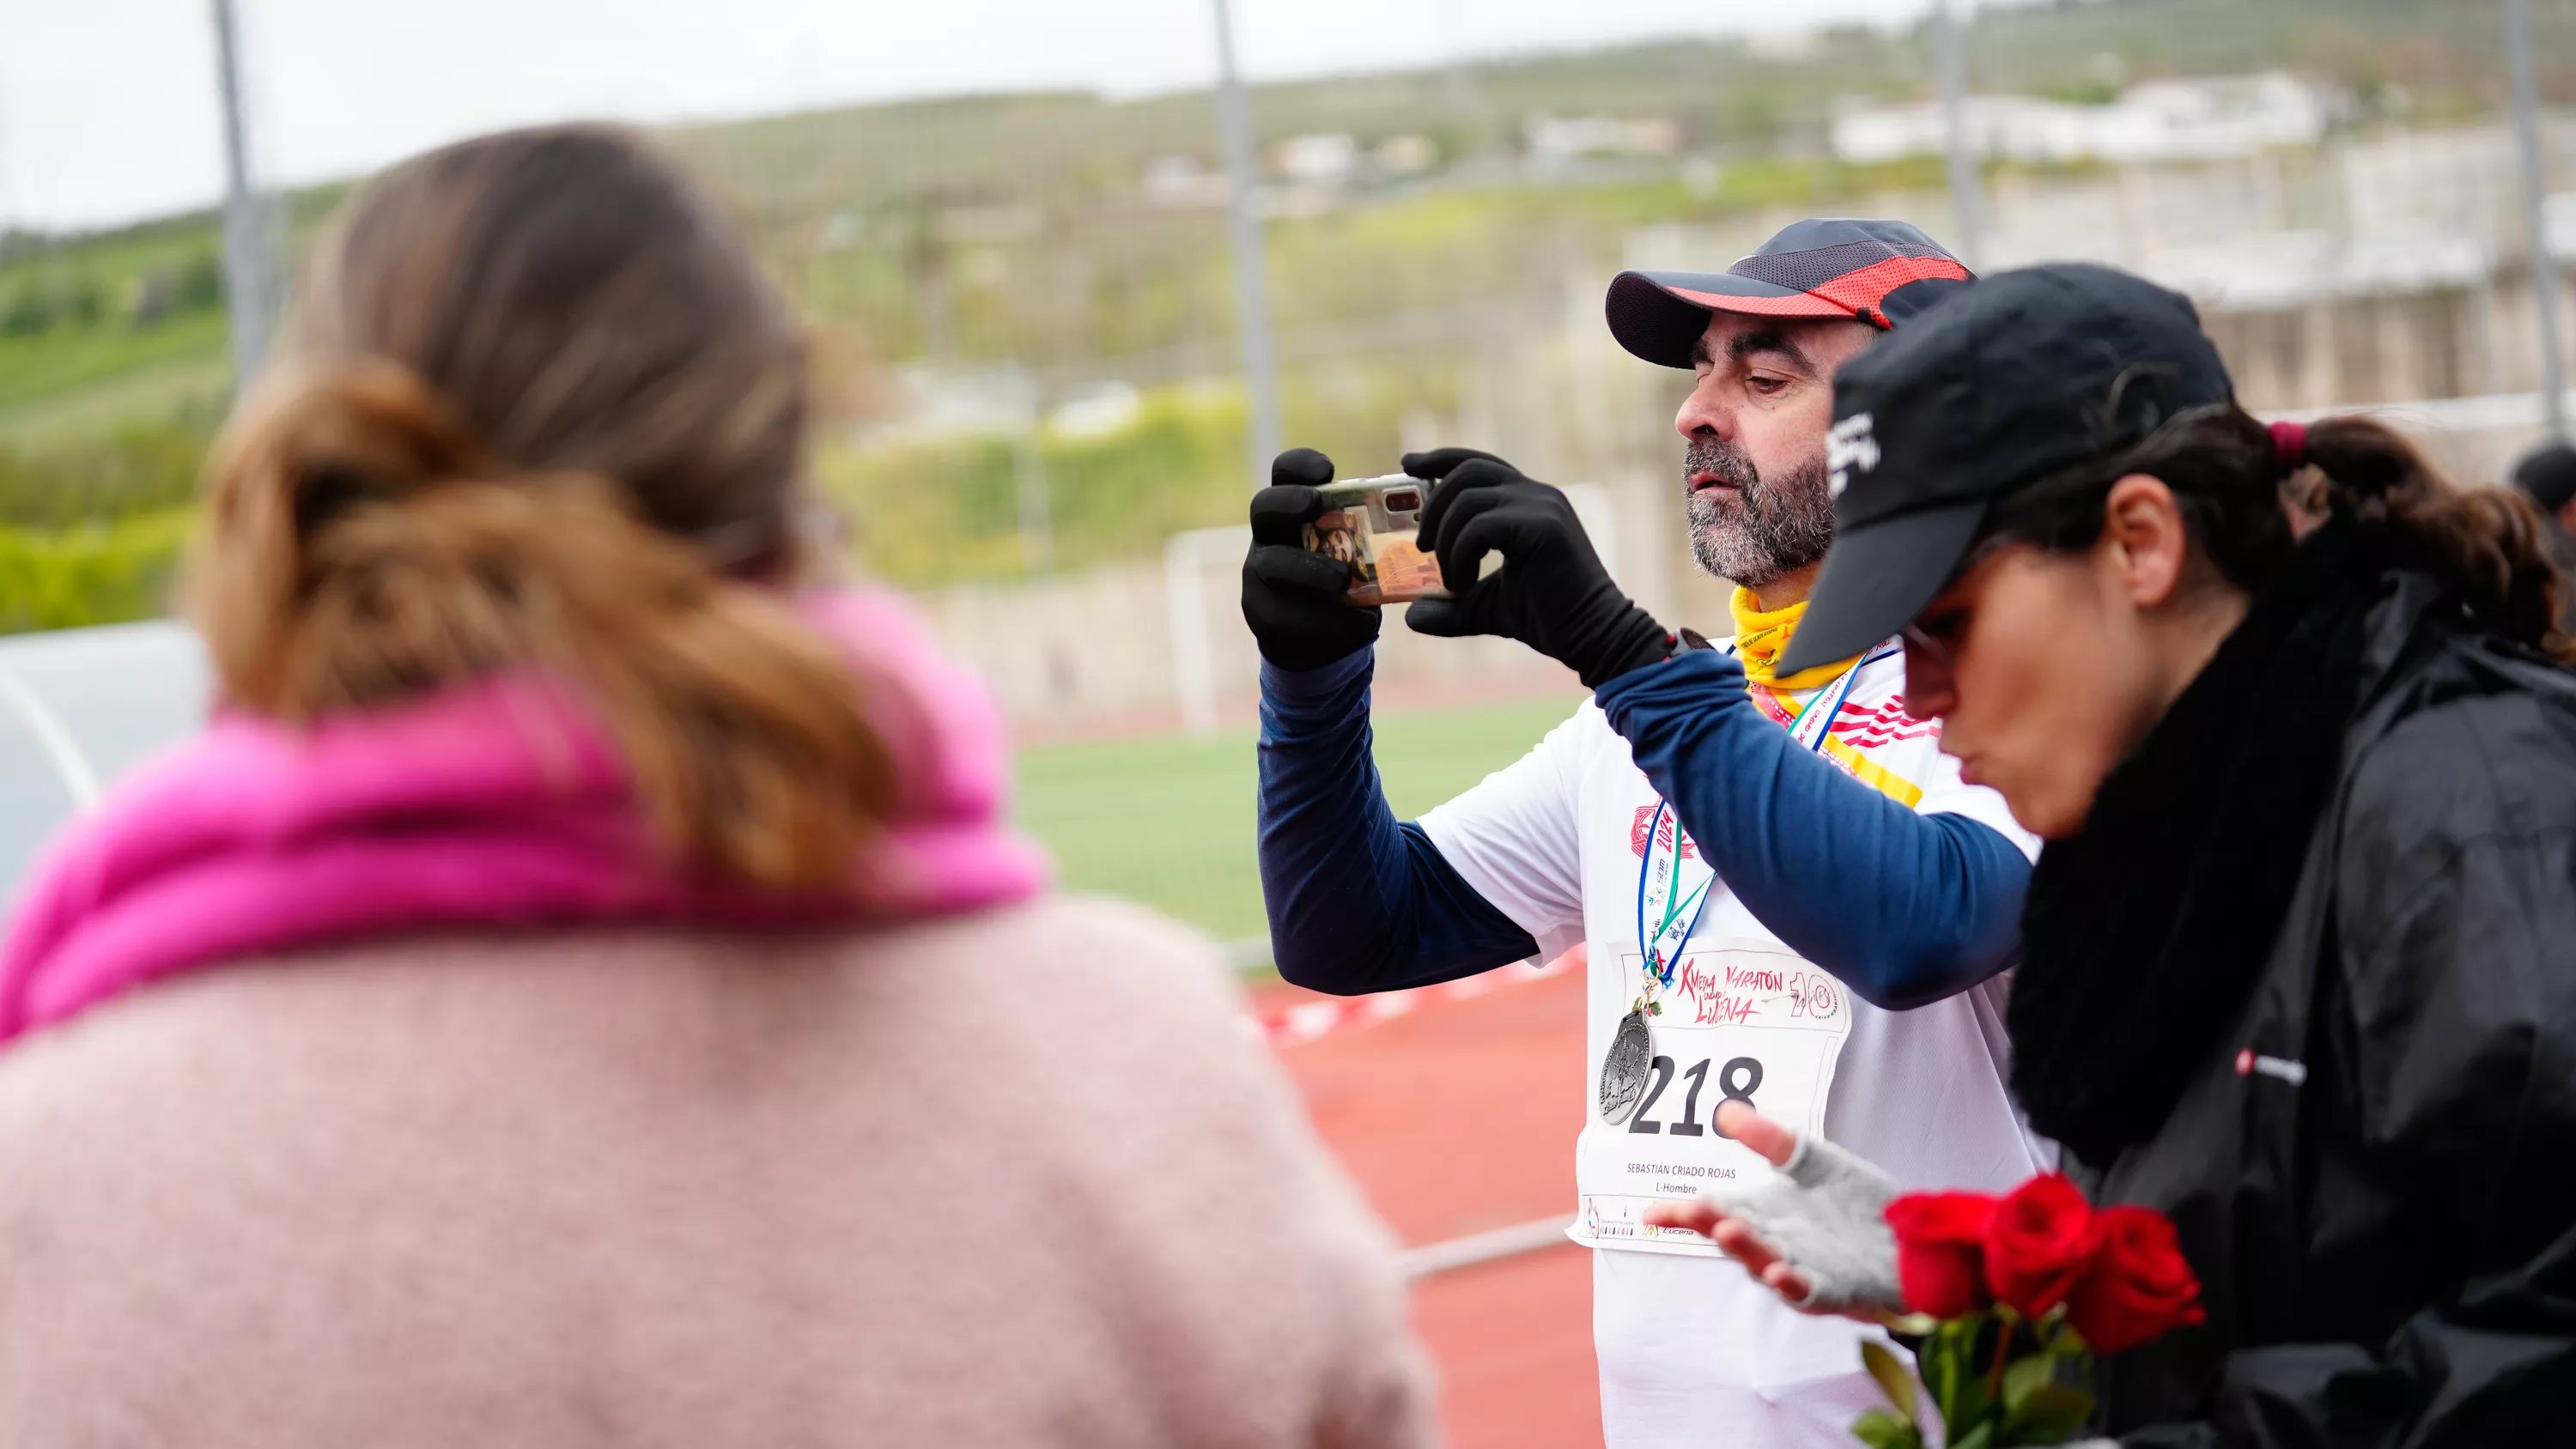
x,y
2300,954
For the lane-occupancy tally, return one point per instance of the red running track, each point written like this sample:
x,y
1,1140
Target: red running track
x,y
1456,1117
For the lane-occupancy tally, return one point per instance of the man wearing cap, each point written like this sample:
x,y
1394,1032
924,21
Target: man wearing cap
x,y
2547,476
1788,896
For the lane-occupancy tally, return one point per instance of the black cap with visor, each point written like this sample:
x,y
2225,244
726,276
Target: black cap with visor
x,y
2012,380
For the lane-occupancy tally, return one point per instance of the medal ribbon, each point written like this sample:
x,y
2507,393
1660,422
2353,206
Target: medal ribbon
x,y
1679,912
1663,944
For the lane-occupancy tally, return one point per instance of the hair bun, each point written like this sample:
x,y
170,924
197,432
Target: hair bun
x,y
370,432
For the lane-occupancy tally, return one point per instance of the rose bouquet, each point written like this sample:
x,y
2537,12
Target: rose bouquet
x,y
2010,1295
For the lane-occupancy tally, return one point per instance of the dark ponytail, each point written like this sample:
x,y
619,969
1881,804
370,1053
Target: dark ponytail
x,y
2487,543
2246,492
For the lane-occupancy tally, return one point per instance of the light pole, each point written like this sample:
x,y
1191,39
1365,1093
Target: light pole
x,y
2544,267
247,292
1252,295
1950,45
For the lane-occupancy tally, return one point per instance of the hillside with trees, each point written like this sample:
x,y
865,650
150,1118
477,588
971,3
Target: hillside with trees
x,y
1078,240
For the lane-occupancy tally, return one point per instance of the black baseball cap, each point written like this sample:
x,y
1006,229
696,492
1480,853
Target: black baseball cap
x,y
2019,377
1880,272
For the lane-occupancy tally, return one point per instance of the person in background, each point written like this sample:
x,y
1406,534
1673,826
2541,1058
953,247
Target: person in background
x,y
2547,476
582,990
1739,823
2299,958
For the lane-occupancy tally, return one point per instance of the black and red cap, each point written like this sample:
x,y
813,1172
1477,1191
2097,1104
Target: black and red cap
x,y
1880,272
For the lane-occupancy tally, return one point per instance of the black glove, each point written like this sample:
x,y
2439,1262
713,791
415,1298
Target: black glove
x,y
1295,601
1551,592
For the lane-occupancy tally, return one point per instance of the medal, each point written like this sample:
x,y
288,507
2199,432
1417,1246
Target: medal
x,y
1623,1070
1675,911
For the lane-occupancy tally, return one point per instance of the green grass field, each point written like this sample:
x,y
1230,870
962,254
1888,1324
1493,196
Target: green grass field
x,y
1168,821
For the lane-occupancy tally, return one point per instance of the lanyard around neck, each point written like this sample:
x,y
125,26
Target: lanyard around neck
x,y
1662,945
1796,722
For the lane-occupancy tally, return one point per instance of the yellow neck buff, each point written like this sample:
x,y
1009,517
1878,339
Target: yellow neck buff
x,y
1760,638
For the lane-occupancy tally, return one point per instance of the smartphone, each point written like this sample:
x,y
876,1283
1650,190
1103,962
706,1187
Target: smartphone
x,y
1369,524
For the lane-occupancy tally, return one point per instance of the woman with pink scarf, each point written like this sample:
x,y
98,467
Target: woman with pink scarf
x,y
582,989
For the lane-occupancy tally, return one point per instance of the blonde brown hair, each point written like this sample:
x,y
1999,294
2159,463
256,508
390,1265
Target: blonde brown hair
x,y
537,408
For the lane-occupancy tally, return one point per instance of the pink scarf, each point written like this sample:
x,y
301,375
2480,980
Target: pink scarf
x,y
500,804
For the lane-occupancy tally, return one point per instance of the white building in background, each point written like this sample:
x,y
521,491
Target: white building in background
x,y
1181,181
1407,155
1324,159
1560,140
2276,270
2202,118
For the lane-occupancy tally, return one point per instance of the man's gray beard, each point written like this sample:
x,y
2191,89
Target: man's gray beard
x,y
1764,530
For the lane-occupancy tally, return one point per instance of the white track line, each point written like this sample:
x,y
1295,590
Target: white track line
x,y
79,780
1485,1247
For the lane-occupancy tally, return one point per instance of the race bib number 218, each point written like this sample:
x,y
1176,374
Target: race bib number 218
x,y
1741,1021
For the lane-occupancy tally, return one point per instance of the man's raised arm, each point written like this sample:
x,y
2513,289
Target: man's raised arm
x,y
1904,908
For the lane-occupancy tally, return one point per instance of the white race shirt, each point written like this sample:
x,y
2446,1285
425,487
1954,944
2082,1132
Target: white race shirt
x,y
1692,1350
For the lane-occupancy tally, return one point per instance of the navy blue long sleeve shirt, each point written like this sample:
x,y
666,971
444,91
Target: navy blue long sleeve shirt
x,y
1904,908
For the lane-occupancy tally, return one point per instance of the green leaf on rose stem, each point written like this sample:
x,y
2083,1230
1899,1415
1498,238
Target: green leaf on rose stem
x,y
1880,1429
2025,1374
2048,1414
1980,1437
1896,1378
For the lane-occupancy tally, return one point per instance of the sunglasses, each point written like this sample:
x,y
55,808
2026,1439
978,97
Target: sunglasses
x,y
1914,634
1933,649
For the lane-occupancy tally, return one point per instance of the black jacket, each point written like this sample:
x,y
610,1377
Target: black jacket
x,y
2340,1041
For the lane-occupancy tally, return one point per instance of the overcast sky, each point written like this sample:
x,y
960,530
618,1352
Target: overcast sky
x,y
107,107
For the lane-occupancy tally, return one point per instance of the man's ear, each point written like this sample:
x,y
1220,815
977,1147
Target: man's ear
x,y
2142,529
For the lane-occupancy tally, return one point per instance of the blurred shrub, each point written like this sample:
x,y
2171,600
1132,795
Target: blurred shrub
x,y
97,573
943,508
200,286
140,468
934,510
90,532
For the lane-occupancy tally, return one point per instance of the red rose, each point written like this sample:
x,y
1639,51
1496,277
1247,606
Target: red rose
x,y
2038,1243
2138,1287
1940,1250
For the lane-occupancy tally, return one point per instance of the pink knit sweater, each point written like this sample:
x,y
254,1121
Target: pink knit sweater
x,y
382,1097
